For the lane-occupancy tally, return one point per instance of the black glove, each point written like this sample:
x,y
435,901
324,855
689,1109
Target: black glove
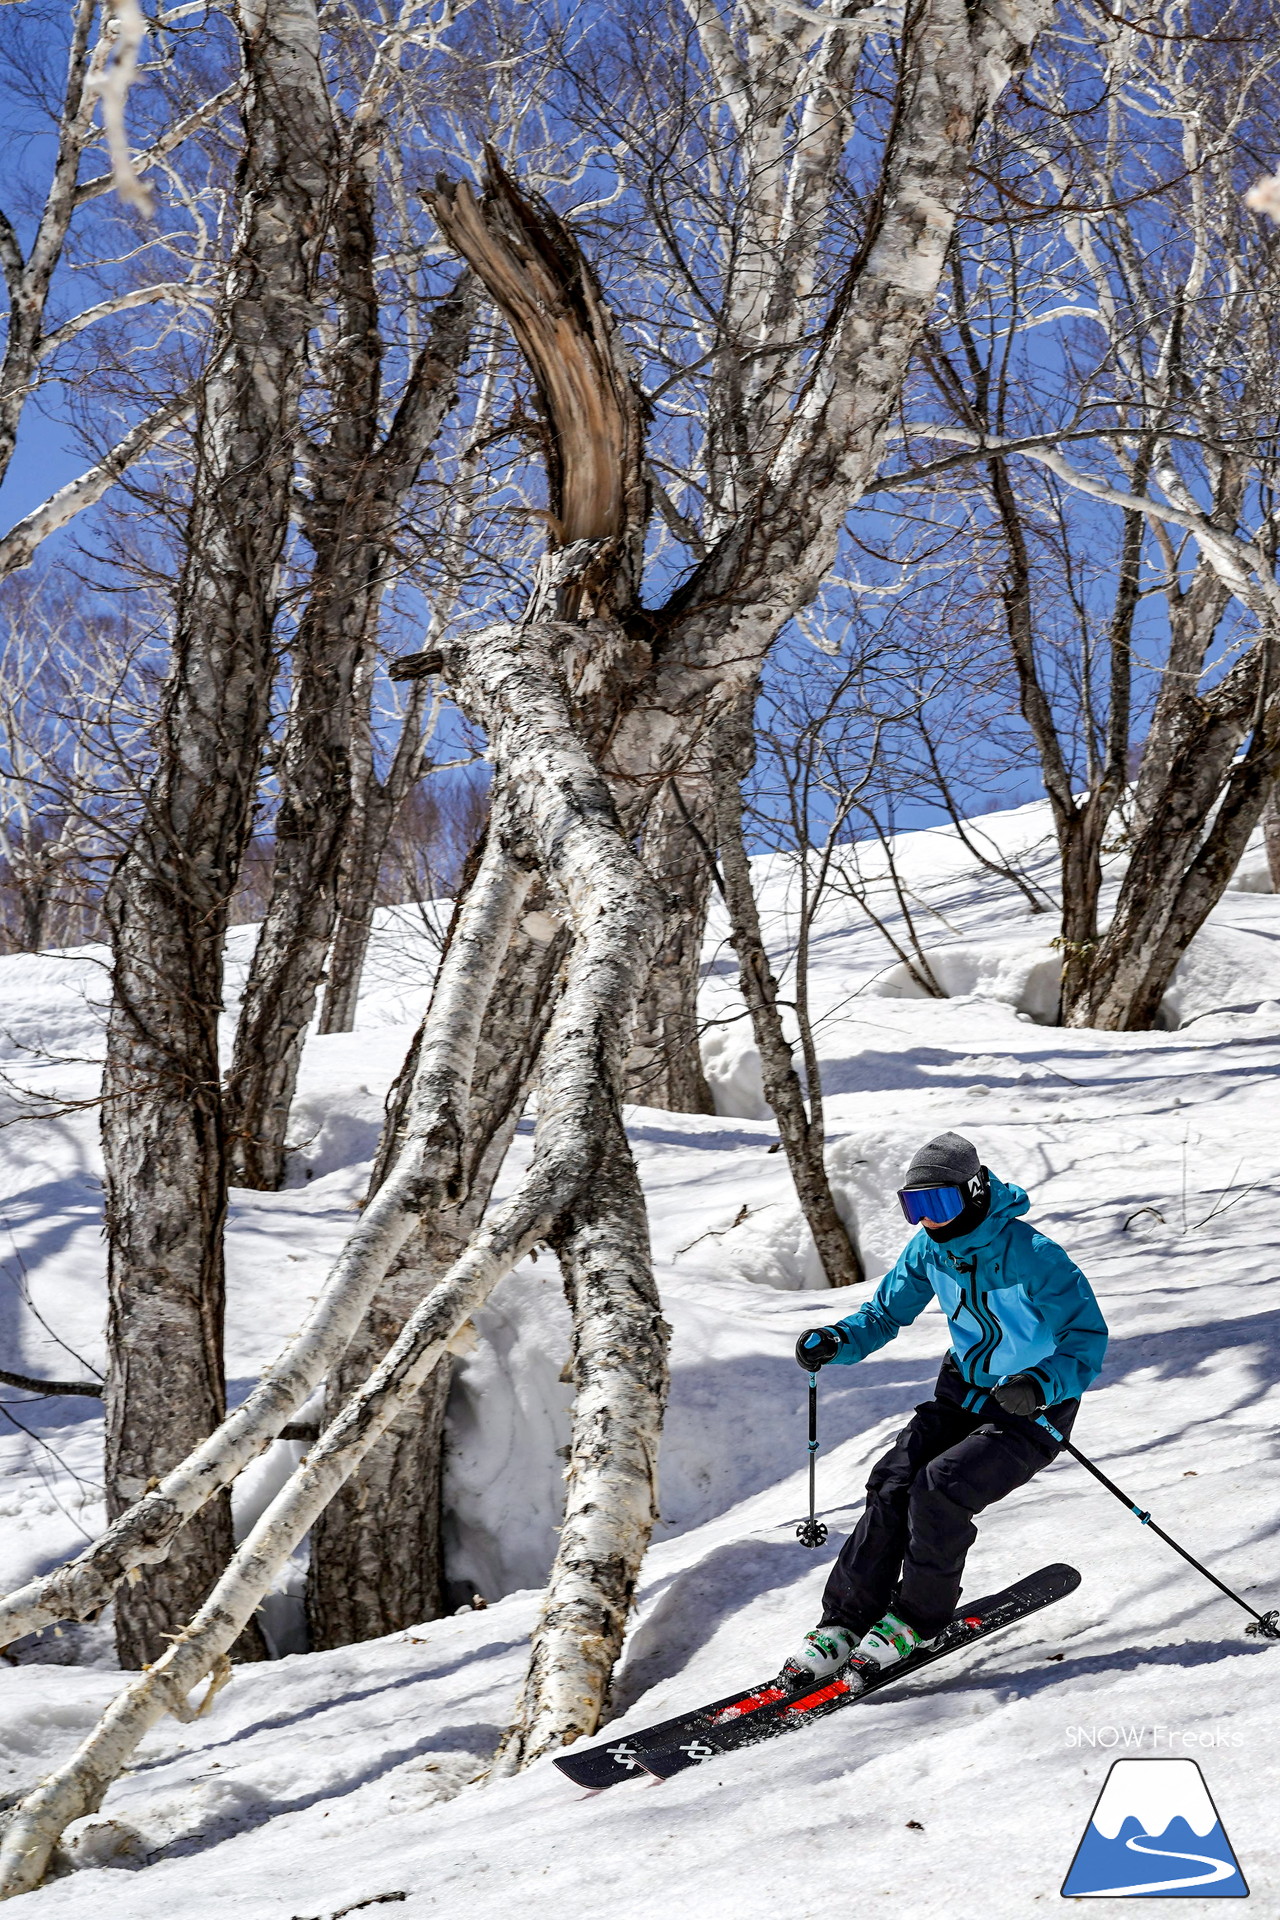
x,y
816,1346
1023,1395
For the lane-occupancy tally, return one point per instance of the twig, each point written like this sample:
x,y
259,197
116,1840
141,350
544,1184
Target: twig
x,y
22,1287
713,865
718,1233
50,1389
374,1900
53,1453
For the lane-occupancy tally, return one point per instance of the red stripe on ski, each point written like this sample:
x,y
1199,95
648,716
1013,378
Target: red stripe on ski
x,y
831,1691
749,1704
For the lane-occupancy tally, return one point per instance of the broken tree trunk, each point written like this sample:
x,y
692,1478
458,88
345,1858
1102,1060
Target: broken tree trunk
x,y
512,683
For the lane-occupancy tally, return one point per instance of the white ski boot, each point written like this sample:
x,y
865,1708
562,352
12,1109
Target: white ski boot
x,y
822,1654
889,1641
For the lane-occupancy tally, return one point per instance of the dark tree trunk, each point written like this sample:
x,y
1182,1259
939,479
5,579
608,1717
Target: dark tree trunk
x,y
801,1133
375,805
168,900
664,1068
358,491
376,1561
1196,829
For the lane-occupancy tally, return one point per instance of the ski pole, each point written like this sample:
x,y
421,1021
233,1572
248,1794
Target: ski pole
x,y
812,1532
1266,1626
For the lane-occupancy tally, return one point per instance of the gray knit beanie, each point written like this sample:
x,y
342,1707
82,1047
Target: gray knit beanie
x,y
947,1161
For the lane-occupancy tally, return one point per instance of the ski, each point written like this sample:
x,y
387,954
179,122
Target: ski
x,y
725,1729
598,1767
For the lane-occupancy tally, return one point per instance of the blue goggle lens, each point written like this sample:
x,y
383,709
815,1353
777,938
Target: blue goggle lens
x,y
931,1203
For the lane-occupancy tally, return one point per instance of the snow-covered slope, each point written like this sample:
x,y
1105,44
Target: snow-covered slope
x,y
322,1782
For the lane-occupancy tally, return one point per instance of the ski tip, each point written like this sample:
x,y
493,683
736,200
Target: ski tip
x,y
1060,1575
584,1771
666,1762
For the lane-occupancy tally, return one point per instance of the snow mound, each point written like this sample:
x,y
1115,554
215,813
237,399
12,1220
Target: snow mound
x,y
332,1128
54,1003
1224,970
1020,974
1253,875
773,1247
732,1066
508,1431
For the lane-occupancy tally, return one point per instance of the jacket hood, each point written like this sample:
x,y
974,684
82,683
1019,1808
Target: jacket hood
x,y
1008,1202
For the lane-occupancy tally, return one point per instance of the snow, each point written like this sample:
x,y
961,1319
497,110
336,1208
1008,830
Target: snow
x,y
322,1780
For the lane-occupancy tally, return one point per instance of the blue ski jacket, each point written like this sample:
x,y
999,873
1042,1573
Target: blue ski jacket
x,y
1014,1300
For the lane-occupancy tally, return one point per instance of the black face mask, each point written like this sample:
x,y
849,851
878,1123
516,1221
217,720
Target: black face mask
x,y
977,1206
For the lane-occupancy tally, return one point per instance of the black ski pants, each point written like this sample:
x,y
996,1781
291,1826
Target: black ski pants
x,y
908,1550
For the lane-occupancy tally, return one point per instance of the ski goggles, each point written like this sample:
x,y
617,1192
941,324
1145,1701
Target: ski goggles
x,y
939,1204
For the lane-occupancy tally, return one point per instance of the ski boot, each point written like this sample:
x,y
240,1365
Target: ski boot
x,y
889,1641
822,1654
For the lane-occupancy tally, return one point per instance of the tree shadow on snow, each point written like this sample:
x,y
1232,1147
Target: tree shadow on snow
x,y
694,1603
258,1808
333,1703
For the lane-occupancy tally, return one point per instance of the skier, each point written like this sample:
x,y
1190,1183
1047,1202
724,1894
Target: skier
x,y
1026,1336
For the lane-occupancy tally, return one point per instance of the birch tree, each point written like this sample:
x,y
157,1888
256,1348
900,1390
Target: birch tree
x,y
77,227
359,484
1157,438
801,1128
589,702
664,1068
167,903
378,801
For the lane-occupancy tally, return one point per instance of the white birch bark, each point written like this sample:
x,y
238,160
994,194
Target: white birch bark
x,y
427,1173
620,1371
18,545
511,680
359,487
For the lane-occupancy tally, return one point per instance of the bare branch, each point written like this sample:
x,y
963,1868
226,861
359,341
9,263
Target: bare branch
x,y
19,544
51,1389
